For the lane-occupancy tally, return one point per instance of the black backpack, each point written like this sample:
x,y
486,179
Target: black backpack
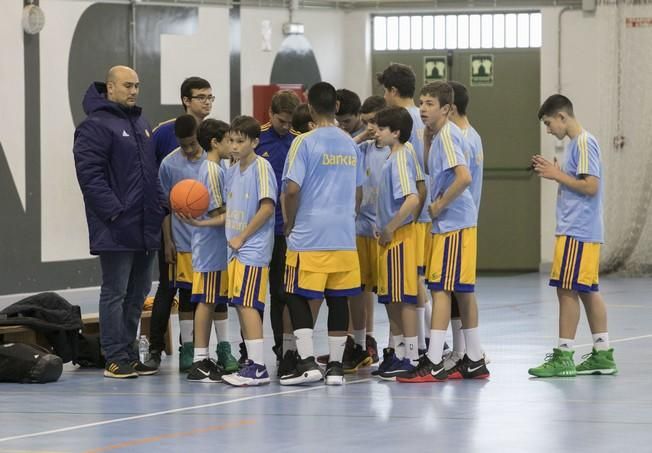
x,y
28,364
89,352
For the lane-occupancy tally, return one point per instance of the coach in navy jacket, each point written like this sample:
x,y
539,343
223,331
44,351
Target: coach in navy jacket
x,y
118,177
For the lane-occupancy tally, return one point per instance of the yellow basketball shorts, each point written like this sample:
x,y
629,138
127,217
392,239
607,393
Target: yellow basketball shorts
x,y
452,262
315,274
210,287
180,273
368,257
247,284
576,264
397,267
422,244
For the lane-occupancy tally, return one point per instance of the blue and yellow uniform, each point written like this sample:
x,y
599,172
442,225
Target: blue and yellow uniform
x,y
397,262
248,267
174,168
580,229
274,148
372,160
209,249
165,140
322,257
452,262
475,159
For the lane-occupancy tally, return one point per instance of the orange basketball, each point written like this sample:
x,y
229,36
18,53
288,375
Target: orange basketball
x,y
189,197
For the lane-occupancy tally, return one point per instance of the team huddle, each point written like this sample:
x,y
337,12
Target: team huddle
x,y
338,200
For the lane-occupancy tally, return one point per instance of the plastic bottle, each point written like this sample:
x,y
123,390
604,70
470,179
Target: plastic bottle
x,y
143,349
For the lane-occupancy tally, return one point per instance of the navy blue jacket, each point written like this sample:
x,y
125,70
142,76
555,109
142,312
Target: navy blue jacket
x,y
118,176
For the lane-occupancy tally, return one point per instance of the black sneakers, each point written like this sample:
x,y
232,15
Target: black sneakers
x,y
372,348
205,371
120,370
468,369
358,358
305,372
154,360
287,364
334,374
426,371
244,357
142,369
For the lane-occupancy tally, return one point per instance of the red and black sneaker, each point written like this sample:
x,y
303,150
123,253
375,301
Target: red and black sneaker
x,y
473,370
426,371
372,349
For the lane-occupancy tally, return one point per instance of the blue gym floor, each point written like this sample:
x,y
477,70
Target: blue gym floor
x,y
510,412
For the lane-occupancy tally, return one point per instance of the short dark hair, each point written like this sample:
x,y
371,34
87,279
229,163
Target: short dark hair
x,y
373,104
192,83
246,125
211,129
555,104
396,119
349,102
440,90
399,76
185,126
301,118
322,98
460,97
284,101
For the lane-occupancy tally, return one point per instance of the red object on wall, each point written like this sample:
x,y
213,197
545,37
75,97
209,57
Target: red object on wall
x,y
263,98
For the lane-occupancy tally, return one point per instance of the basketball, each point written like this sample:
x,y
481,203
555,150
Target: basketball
x,y
189,197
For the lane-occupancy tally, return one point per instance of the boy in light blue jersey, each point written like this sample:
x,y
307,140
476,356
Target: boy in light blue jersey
x,y
321,180
250,206
475,158
209,252
182,163
579,234
452,262
399,82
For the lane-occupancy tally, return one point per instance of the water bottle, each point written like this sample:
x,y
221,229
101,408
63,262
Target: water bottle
x,y
143,349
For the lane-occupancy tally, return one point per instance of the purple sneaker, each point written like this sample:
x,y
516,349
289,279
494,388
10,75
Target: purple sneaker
x,y
251,374
397,368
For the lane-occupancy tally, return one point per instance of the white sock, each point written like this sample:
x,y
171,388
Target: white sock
x,y
601,341
186,326
412,349
473,346
437,338
399,346
336,348
200,354
565,344
390,342
459,345
221,329
421,327
428,316
360,337
255,351
304,343
289,342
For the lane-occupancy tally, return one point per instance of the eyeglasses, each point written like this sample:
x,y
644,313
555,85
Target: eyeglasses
x,y
203,98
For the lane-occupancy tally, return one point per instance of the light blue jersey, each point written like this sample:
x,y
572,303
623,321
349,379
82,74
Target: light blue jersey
x,y
446,153
175,167
416,139
475,160
372,160
580,216
324,163
209,249
398,180
245,190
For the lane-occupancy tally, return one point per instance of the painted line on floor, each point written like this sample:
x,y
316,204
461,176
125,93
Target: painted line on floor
x,y
152,439
170,411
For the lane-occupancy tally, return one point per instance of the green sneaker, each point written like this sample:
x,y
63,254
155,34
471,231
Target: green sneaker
x,y
225,358
598,362
558,364
186,353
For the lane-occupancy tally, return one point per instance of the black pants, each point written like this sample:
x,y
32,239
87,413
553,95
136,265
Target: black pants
x,y
278,296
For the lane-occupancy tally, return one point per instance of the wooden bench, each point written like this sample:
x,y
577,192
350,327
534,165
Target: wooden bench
x,y
91,325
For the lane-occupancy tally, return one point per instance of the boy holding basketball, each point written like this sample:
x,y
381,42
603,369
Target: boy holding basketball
x,y
579,235
209,253
250,205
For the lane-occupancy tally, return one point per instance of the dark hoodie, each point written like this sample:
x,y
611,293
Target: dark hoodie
x,y
118,177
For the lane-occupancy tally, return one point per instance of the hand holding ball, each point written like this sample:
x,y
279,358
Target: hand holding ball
x,y
189,197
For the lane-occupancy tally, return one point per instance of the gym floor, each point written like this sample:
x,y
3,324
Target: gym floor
x,y
510,412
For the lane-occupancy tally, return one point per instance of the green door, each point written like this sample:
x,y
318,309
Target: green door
x,y
504,114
